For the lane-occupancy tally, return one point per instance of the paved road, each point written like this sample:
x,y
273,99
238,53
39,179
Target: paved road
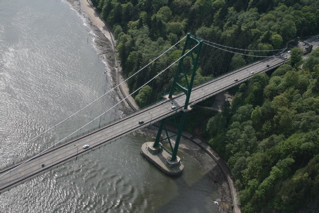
x,y
226,81
62,153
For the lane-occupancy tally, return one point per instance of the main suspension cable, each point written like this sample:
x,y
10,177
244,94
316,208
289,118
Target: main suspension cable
x,y
234,48
257,56
112,89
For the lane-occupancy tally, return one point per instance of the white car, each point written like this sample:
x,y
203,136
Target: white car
x,y
173,107
86,146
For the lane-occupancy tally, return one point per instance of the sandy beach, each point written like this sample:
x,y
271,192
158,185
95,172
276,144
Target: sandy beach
x,y
95,19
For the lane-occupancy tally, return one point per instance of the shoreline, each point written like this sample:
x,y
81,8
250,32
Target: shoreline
x,y
87,10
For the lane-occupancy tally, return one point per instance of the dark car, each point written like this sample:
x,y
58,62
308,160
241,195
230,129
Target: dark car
x,y
141,122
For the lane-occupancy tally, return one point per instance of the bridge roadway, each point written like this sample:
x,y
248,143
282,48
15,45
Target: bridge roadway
x,y
104,135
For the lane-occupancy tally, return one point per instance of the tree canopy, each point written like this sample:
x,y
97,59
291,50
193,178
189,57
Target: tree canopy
x,y
272,144
144,29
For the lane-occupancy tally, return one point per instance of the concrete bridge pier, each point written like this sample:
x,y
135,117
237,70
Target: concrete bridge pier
x,y
155,152
161,158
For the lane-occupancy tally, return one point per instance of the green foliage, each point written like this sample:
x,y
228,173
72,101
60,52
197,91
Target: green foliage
x,y
273,147
216,125
295,58
143,95
282,70
196,120
237,61
312,61
255,24
303,186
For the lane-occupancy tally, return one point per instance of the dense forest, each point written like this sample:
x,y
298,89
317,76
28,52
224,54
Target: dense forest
x,y
144,29
269,133
270,137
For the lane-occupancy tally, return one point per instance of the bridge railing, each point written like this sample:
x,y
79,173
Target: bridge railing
x,y
227,87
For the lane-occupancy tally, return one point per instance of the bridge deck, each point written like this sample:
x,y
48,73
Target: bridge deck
x,y
71,149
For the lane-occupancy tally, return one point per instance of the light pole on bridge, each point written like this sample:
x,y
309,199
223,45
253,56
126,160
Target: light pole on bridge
x,y
77,151
151,117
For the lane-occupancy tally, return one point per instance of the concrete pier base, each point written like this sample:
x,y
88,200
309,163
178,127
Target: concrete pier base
x,y
162,159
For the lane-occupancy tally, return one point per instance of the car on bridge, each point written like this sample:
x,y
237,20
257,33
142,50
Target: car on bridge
x,y
141,122
86,146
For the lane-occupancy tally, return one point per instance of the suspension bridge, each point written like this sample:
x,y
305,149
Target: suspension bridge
x,y
173,105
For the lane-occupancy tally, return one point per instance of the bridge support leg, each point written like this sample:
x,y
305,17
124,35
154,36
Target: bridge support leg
x,y
157,153
163,158
157,146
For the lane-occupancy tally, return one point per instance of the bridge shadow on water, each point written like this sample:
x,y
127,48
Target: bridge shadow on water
x,y
200,184
198,198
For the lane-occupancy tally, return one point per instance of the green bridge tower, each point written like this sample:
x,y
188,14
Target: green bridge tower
x,y
164,158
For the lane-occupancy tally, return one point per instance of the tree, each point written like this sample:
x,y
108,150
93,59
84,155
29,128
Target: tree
x,y
117,14
256,118
239,166
181,6
280,71
133,60
142,99
312,61
295,58
216,125
279,102
276,41
127,12
255,89
243,114
166,13
237,61
305,121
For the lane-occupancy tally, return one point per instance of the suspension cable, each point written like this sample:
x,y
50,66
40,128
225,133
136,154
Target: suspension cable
x,y
112,89
257,56
100,114
234,48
